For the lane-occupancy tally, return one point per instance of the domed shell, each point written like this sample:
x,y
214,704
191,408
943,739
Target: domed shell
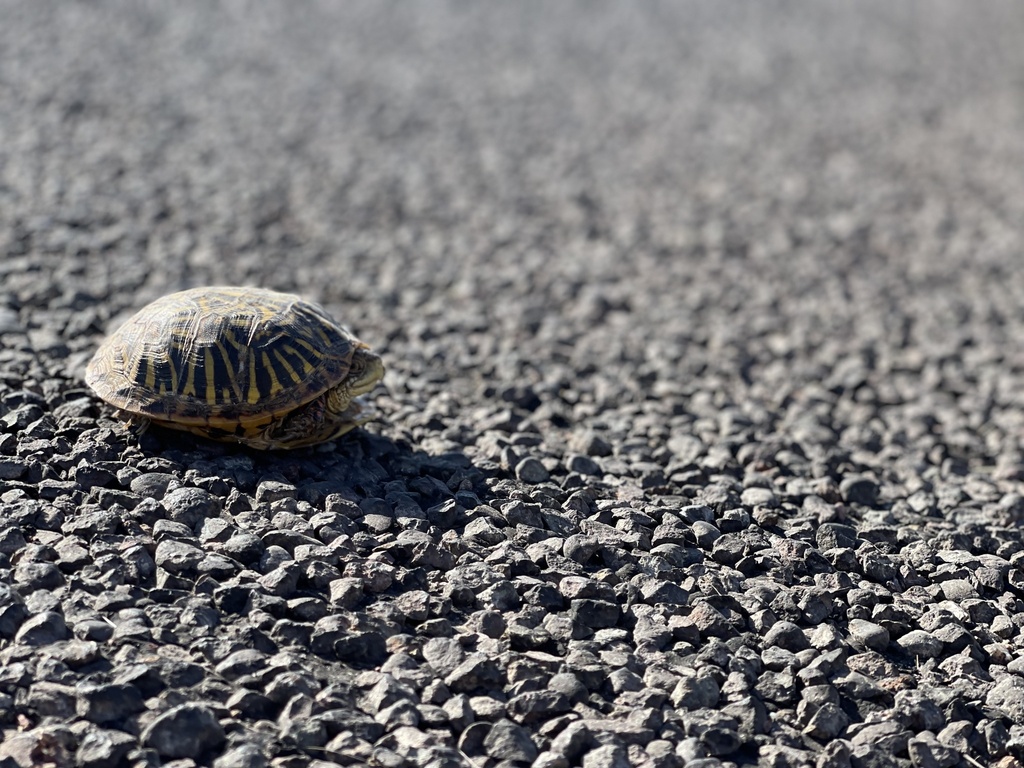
x,y
221,355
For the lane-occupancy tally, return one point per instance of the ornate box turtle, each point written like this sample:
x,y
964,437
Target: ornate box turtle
x,y
265,369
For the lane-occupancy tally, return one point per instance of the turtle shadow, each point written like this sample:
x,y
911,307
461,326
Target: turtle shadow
x,y
378,473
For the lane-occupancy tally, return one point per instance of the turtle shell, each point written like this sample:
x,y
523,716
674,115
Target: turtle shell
x,y
221,357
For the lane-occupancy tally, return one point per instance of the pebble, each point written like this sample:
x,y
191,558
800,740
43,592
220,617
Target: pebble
x,y
866,635
111,703
184,731
920,644
242,756
531,470
506,740
177,556
190,506
42,629
104,748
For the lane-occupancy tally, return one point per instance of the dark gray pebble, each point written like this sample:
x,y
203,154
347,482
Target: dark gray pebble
x,y
190,505
242,756
111,703
42,629
103,748
154,485
506,740
531,470
177,556
187,730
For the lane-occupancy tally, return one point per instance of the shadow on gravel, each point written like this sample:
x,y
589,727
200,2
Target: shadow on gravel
x,y
362,468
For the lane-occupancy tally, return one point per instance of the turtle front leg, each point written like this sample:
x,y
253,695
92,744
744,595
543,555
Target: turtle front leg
x,y
136,424
296,428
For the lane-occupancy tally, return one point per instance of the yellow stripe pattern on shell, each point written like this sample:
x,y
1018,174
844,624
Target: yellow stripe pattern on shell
x,y
222,351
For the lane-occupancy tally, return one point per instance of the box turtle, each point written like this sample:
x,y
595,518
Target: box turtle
x,y
265,369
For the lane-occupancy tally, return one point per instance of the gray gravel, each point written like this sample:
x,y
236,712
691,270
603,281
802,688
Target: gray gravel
x,y
701,440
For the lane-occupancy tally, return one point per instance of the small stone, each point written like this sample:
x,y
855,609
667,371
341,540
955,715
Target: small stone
x,y
507,741
190,505
859,490
242,663
400,714
104,749
573,741
177,556
242,756
887,736
596,614
550,760
154,485
654,590
269,491
705,534
287,685
781,756
835,754
249,704
51,699
458,711
534,706
42,629
187,730
79,653
607,756
787,635
759,497
958,590
569,685
717,732
581,548
12,469
44,746
346,592
109,703
443,654
866,635
386,692
591,444
532,471
1007,695
926,751
836,536
476,670
957,735
12,540
920,644
244,547
361,649
283,580
695,692
827,722
33,576
622,680
583,465
93,630
918,711
414,605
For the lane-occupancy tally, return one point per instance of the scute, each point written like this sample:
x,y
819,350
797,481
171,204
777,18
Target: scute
x,y
220,356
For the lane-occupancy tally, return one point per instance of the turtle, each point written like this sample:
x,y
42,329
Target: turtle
x,y
253,366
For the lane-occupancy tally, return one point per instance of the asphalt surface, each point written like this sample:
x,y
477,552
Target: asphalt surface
x,y
701,438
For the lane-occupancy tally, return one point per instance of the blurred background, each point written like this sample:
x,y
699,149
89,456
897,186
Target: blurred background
x,y
567,208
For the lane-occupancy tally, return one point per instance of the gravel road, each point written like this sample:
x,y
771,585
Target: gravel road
x,y
702,439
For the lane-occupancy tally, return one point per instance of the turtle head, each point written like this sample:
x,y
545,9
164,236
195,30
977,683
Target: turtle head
x,y
365,370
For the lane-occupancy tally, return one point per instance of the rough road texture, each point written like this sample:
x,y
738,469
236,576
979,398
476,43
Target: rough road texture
x,y
701,442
